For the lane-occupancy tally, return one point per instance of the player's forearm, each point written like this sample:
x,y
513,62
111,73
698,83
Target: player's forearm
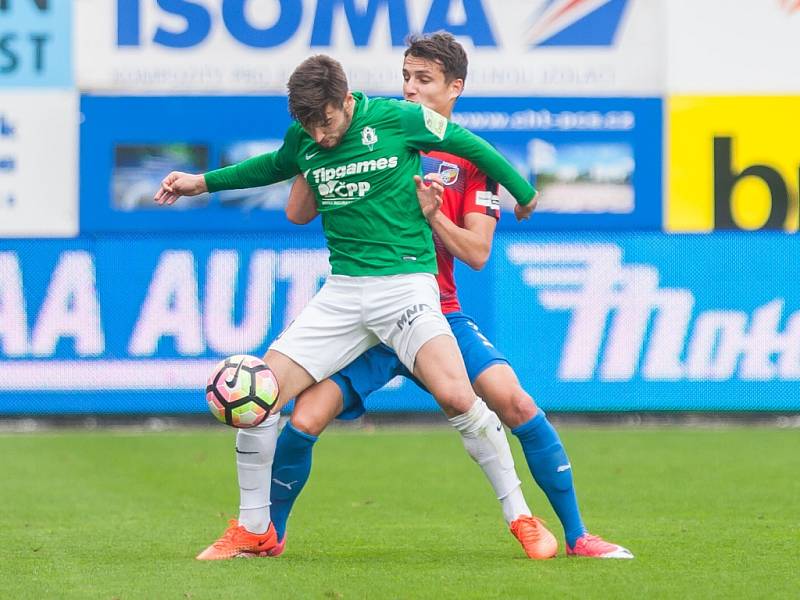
x,y
467,246
466,144
253,172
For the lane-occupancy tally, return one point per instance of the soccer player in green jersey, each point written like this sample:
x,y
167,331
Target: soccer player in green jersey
x,y
360,156
464,221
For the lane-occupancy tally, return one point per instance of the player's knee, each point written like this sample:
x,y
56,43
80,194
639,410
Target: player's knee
x,y
516,408
455,401
309,423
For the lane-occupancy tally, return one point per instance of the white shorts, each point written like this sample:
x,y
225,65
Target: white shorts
x,y
349,315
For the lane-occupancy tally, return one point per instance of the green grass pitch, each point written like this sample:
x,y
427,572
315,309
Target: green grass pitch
x,y
400,513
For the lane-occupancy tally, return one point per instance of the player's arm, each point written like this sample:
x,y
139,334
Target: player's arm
x,y
254,172
471,244
428,130
302,206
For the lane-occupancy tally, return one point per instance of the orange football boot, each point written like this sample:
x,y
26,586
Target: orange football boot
x,y
238,542
594,546
536,539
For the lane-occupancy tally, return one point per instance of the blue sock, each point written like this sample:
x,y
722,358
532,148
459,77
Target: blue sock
x,y
290,471
546,460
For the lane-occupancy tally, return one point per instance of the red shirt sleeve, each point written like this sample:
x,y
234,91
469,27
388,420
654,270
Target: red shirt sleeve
x,y
480,193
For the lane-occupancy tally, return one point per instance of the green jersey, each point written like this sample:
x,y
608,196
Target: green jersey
x,y
364,186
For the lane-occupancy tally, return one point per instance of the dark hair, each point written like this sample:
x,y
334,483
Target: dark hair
x,y
318,82
442,48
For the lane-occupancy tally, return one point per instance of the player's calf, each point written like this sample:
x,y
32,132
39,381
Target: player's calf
x,y
485,441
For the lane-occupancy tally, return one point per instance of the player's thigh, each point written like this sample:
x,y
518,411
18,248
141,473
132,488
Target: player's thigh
x,y
316,407
490,372
440,368
404,312
365,375
292,378
328,334
478,352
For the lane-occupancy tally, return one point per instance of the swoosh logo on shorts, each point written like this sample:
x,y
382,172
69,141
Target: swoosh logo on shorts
x,y
411,320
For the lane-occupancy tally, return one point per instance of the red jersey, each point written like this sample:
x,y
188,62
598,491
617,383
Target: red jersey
x,y
466,190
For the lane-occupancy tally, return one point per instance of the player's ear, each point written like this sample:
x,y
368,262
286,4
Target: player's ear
x,y
456,87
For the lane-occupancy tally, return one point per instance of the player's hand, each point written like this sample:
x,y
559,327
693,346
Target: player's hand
x,y
178,184
429,193
523,213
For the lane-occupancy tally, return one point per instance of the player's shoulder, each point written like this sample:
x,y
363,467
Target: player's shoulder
x,y
462,163
392,105
295,132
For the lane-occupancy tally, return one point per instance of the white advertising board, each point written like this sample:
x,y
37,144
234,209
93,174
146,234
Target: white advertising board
x,y
38,163
516,47
722,47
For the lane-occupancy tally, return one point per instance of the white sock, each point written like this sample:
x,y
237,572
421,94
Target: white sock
x,y
255,450
486,442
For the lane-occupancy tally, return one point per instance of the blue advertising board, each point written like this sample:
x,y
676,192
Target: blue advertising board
x,y
35,44
596,161
652,322
590,322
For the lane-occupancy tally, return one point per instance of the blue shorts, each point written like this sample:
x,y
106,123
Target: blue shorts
x,y
379,365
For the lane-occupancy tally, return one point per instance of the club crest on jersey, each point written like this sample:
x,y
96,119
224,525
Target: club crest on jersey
x,y
448,172
369,137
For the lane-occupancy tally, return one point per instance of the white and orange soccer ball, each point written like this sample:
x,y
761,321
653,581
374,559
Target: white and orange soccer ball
x,y
241,391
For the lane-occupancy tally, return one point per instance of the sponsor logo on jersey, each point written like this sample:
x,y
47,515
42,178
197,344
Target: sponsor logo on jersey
x,y
448,172
369,137
324,174
336,192
576,23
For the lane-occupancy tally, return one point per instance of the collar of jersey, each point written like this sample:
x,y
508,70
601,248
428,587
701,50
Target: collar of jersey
x,y
362,102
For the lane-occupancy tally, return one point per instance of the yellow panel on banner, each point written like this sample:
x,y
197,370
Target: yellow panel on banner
x,y
734,163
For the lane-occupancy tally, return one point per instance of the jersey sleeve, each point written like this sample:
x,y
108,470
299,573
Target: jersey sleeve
x,y
259,170
480,194
427,130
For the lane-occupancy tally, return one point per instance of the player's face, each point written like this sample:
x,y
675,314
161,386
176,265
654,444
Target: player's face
x,y
424,83
331,131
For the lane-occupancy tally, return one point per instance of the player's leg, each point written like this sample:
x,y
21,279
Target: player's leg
x,y
326,336
485,440
340,397
425,344
547,459
495,381
313,410
252,533
255,447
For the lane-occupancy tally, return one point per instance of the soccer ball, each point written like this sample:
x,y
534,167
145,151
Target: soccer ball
x,y
241,391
